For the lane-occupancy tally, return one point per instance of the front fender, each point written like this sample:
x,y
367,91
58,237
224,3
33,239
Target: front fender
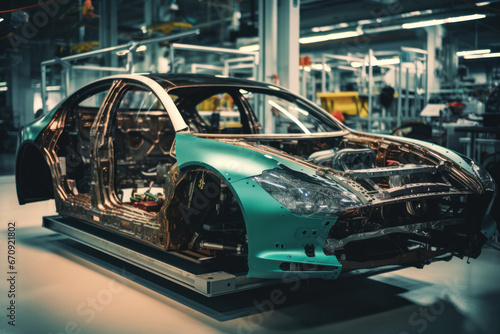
x,y
277,238
232,162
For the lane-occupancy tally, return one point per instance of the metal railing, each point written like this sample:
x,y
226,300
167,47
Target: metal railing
x,y
65,62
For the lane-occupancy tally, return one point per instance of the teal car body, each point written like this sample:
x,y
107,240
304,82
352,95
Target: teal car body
x,y
225,168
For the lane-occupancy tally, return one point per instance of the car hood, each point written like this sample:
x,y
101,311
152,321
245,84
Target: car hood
x,y
236,158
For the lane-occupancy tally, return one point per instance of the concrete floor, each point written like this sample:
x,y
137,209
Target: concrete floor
x,y
63,287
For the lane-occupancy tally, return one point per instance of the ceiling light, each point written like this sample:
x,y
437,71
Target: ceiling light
x,y
377,62
485,3
319,67
362,22
329,37
422,24
141,48
121,53
455,19
465,18
484,55
472,52
322,29
414,13
1,19
250,48
174,6
331,27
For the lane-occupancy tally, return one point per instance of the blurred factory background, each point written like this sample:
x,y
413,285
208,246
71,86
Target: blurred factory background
x,y
424,69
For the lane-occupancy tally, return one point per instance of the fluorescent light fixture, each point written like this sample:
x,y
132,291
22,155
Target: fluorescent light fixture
x,y
322,29
3,84
329,37
484,55
141,48
1,19
455,19
485,3
465,18
422,24
121,53
417,13
319,67
377,62
362,22
472,52
3,89
414,13
53,88
331,27
250,48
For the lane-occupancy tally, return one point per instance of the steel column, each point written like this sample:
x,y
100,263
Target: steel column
x,y
288,44
268,35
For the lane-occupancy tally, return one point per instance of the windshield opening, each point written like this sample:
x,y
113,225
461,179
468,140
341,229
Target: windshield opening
x,y
248,110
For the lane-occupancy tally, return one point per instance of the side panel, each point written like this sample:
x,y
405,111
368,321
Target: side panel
x,y
33,177
31,131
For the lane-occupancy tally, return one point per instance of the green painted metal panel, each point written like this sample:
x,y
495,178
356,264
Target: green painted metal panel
x,y
31,130
275,235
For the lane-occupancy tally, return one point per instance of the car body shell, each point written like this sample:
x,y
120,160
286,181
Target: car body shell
x,y
275,235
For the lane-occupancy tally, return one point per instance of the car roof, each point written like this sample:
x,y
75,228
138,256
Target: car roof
x,y
177,80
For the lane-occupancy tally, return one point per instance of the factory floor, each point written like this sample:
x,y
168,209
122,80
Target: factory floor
x,y
61,286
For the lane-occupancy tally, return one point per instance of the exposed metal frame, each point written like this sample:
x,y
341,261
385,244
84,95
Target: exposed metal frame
x,y
129,68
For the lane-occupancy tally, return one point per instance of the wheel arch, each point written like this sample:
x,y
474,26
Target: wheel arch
x,y
33,175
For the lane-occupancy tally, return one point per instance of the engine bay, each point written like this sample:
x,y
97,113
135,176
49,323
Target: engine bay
x,y
415,201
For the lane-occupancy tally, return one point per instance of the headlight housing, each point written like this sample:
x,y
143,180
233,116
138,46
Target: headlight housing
x,y
483,175
306,195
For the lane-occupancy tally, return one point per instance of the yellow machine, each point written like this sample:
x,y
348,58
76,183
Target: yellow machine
x,y
349,103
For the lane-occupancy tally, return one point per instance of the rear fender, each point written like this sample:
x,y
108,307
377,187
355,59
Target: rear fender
x,y
33,176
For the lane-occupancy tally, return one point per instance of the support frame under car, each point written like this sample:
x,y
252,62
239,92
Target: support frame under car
x,y
201,280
